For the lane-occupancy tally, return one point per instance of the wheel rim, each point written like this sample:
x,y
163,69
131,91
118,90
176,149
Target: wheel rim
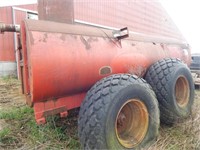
x,y
182,91
132,123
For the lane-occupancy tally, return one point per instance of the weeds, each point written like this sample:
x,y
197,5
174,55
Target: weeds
x,y
3,133
16,113
22,129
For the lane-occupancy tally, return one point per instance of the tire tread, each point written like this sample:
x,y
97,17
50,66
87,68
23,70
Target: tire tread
x,y
158,76
95,106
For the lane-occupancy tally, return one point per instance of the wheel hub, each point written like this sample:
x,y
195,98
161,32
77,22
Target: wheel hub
x,y
132,123
182,91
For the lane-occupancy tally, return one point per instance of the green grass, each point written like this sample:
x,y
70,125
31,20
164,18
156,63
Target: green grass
x,y
6,137
16,113
4,133
56,134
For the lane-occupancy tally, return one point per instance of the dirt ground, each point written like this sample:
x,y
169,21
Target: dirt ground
x,y
169,138
10,93
10,96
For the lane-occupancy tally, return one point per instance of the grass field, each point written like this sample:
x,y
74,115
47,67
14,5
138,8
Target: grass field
x,y
18,129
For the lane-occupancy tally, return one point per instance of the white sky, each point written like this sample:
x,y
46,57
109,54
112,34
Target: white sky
x,y
185,14
16,2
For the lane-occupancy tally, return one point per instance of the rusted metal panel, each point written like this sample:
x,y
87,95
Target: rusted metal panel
x,y
65,55
91,31
7,51
140,16
58,106
62,61
54,10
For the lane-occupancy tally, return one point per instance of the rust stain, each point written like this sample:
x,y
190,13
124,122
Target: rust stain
x,y
132,44
63,37
31,38
55,111
74,36
92,39
83,40
45,37
162,45
137,70
104,38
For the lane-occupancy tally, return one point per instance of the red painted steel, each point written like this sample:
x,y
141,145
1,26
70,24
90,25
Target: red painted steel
x,y
59,106
7,52
62,61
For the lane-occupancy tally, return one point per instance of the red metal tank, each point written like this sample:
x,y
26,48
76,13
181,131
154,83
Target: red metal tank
x,y
61,61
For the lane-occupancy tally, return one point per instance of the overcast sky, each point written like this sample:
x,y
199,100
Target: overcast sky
x,y
185,13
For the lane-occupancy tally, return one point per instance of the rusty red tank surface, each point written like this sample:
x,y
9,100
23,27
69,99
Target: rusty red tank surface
x,y
61,61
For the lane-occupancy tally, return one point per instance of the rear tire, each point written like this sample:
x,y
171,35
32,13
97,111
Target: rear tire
x,y
172,82
118,112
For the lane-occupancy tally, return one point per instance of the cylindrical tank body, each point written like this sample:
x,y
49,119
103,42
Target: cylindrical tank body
x,y
61,59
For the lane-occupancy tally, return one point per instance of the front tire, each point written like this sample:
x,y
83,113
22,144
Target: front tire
x,y
119,112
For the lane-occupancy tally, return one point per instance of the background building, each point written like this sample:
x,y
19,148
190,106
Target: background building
x,y
8,44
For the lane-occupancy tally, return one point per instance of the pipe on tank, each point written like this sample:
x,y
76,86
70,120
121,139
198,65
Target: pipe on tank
x,y
9,28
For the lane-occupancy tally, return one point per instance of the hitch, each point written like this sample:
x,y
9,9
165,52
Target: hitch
x,y
9,28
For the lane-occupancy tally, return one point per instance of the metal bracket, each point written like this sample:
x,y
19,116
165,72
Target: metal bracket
x,y
121,34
